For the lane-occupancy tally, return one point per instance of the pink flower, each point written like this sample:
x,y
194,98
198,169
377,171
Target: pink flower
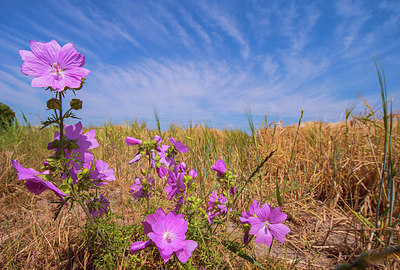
x,y
142,187
219,167
168,233
266,224
138,246
102,173
247,214
133,141
179,145
54,66
83,141
217,205
35,183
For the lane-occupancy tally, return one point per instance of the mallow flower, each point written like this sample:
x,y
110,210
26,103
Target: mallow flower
x,y
142,187
102,174
217,205
168,234
219,167
179,145
266,224
35,183
84,142
53,66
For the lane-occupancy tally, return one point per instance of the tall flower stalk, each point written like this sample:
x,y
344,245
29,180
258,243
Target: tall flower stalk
x,y
60,69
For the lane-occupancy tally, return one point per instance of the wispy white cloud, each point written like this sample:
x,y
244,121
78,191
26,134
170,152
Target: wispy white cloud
x,y
206,60
227,24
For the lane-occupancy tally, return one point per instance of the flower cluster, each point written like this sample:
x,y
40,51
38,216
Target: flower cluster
x,y
168,234
73,173
218,205
142,187
98,206
162,158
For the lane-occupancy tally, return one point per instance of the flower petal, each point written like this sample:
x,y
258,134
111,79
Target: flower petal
x,y
276,216
46,52
264,236
279,231
69,58
73,77
256,225
33,66
263,212
185,253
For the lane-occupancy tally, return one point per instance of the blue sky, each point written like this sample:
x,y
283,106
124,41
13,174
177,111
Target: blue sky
x,y
208,61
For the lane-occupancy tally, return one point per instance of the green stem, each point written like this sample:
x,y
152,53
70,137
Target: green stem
x,y
78,198
61,124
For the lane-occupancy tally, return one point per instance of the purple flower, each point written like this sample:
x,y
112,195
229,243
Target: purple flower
x,y
179,145
161,171
102,173
133,141
219,167
98,206
212,200
175,181
136,158
83,141
247,214
266,225
158,139
36,184
164,159
168,233
217,205
222,205
142,187
53,66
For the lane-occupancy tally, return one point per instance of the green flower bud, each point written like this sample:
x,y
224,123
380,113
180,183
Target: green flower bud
x,y
53,104
76,104
83,174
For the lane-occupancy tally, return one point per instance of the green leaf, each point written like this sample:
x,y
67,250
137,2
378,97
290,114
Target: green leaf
x,y
278,195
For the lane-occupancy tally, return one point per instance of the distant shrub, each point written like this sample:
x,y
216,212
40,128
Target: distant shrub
x,y
7,116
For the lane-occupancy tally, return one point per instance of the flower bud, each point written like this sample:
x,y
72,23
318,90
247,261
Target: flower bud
x,y
83,174
76,104
53,104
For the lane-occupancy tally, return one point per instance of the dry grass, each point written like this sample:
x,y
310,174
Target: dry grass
x,y
330,197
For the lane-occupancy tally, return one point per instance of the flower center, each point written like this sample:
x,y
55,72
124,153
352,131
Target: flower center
x,y
266,225
57,70
168,236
